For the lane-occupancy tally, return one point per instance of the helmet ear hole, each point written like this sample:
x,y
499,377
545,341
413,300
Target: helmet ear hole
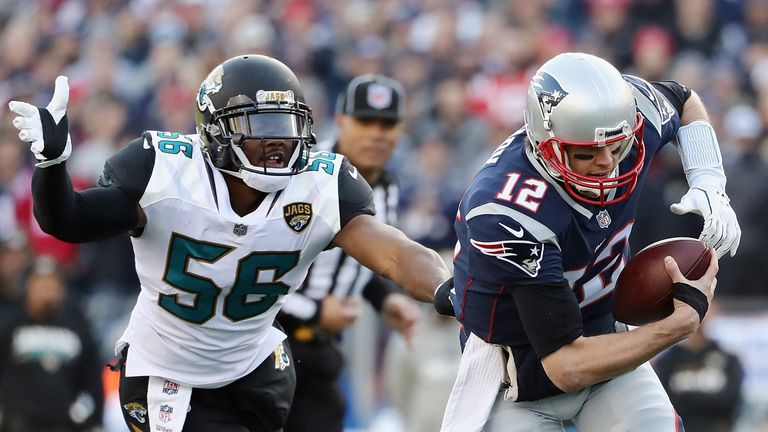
x,y
219,154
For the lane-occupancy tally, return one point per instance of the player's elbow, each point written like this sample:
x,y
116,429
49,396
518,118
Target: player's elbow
x,y
567,379
56,227
563,373
48,224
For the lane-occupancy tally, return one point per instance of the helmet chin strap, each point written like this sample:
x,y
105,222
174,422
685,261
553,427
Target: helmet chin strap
x,y
259,181
595,192
264,183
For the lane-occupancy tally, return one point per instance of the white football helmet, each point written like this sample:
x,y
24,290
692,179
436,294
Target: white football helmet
x,y
582,100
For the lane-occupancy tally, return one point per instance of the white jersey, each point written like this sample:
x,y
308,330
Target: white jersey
x,y
212,281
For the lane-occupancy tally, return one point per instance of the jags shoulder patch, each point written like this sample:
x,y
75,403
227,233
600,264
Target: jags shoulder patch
x,y
297,215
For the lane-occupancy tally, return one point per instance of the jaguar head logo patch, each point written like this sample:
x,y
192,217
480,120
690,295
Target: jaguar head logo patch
x,y
137,411
297,215
282,360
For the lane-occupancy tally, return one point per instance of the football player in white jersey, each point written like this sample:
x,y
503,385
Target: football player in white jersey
x,y
224,224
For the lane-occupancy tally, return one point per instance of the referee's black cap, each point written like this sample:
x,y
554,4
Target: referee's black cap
x,y
373,96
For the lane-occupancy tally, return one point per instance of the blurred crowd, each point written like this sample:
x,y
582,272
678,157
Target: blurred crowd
x,y
136,65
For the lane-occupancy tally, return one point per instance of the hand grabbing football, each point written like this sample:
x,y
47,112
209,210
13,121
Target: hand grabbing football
x,y
643,292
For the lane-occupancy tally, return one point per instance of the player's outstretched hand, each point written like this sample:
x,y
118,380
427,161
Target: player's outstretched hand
x,y
46,129
697,293
721,228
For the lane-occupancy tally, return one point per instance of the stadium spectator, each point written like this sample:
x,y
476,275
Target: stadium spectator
x,y
703,381
15,256
50,370
745,275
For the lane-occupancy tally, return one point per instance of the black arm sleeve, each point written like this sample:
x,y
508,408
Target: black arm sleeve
x,y
355,195
675,93
377,289
97,213
550,315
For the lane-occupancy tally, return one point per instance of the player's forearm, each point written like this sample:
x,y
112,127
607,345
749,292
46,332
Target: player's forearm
x,y
390,253
590,360
418,270
53,196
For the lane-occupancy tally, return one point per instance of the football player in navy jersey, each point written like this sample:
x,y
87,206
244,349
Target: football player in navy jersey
x,y
224,224
543,234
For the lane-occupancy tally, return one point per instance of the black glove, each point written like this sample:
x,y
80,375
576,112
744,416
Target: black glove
x,y
444,295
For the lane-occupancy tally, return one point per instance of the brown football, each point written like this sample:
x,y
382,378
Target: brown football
x,y
643,292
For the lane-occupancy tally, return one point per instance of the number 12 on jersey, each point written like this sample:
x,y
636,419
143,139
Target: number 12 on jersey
x,y
528,195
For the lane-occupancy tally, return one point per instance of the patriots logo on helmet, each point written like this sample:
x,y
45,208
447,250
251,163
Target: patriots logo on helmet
x,y
548,91
523,254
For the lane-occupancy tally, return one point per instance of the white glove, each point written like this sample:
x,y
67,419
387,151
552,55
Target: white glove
x,y
721,228
46,129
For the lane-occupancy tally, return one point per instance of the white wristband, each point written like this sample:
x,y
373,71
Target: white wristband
x,y
700,152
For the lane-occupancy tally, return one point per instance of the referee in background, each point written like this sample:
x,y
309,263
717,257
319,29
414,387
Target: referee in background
x,y
369,123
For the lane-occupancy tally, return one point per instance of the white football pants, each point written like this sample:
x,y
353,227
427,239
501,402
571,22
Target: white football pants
x,y
633,402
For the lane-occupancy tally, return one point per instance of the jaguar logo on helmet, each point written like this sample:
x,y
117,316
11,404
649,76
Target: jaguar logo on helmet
x,y
211,84
548,91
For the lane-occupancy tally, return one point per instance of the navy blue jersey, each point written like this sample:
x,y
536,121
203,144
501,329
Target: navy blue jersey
x,y
517,226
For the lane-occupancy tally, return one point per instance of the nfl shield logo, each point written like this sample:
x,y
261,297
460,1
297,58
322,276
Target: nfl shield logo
x,y
603,219
166,413
379,96
240,229
170,387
